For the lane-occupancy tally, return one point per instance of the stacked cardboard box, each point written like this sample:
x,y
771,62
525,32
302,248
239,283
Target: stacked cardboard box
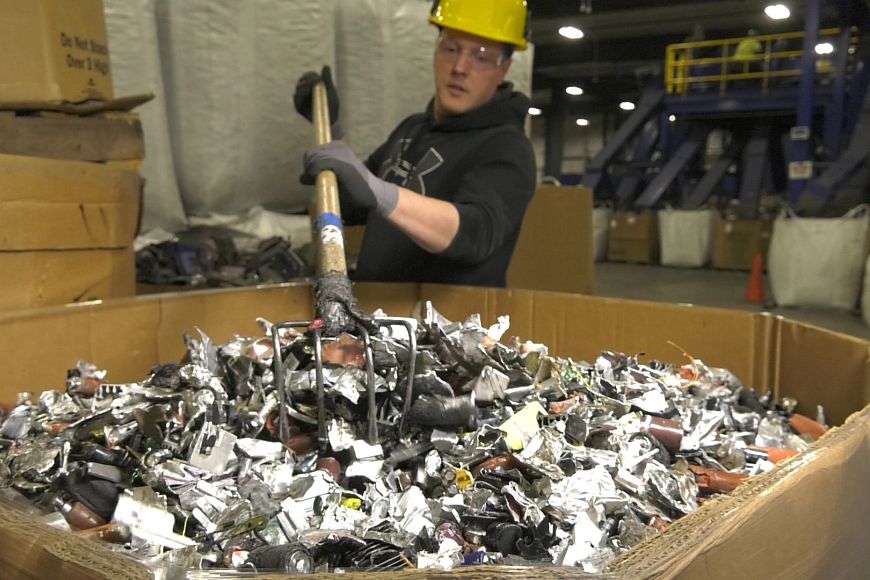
x,y
633,237
738,242
66,231
69,189
54,51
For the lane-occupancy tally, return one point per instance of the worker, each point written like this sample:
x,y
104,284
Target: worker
x,y
444,197
748,49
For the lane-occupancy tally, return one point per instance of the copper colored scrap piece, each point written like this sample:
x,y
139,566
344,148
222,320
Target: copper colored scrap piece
x,y
716,481
772,454
803,425
345,350
302,443
669,433
658,523
260,350
503,462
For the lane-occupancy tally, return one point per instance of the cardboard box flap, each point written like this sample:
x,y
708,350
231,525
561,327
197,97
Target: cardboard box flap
x,y
554,250
35,550
89,107
52,204
804,519
826,378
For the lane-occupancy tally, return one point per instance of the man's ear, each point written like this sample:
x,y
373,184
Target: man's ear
x,y
505,67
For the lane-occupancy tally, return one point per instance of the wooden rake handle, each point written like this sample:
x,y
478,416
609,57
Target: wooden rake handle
x,y
326,214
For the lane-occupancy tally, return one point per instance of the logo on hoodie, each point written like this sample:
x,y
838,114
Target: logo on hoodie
x,y
404,173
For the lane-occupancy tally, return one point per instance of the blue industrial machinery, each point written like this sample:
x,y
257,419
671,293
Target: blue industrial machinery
x,y
797,122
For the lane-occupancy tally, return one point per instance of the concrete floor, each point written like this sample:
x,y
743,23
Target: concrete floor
x,y
715,288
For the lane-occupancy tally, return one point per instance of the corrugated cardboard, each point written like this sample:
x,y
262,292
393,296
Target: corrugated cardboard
x,y
60,205
555,250
737,243
48,278
805,519
633,238
53,51
96,138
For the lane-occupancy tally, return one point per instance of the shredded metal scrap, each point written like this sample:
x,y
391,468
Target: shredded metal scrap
x,y
510,455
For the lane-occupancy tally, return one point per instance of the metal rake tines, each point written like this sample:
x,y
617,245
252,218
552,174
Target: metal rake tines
x,y
377,556
315,327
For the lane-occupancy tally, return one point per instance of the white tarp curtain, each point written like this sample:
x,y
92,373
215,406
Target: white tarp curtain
x,y
222,135
132,30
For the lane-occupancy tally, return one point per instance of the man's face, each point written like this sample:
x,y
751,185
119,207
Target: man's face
x,y
468,71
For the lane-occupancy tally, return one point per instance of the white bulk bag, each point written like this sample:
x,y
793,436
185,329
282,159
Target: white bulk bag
x,y
686,237
818,261
600,229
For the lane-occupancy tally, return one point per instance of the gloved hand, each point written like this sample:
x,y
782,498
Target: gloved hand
x,y
303,98
356,184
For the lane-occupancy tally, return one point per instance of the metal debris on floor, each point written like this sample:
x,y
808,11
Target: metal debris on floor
x,y
506,454
210,257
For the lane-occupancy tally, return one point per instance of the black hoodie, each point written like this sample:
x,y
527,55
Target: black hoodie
x,y
482,163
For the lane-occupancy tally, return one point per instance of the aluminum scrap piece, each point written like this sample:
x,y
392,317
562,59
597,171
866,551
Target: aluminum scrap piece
x,y
475,449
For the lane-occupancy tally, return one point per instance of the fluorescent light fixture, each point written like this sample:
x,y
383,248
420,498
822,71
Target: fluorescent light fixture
x,y
573,90
777,12
583,122
672,118
571,32
534,111
824,48
626,106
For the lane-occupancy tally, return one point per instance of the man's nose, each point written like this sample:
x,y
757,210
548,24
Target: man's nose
x,y
462,62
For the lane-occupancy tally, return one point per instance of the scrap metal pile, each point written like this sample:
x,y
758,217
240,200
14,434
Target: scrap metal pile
x,y
506,454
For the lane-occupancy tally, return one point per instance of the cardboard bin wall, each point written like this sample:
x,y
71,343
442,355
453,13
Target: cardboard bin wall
x,y
806,518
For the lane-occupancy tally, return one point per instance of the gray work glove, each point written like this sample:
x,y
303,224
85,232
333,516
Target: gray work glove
x,y
357,185
303,98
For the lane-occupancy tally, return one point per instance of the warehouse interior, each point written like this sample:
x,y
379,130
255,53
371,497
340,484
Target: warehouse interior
x,y
435,287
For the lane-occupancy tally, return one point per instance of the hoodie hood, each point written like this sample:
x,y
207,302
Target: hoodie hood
x,y
508,107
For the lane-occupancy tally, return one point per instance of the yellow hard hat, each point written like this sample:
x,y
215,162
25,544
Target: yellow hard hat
x,y
500,20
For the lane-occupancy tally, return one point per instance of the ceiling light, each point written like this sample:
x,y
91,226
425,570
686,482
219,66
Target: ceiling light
x,y
571,32
672,118
777,12
534,111
572,90
583,122
626,106
824,48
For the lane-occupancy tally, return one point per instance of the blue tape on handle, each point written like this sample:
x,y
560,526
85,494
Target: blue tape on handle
x,y
329,219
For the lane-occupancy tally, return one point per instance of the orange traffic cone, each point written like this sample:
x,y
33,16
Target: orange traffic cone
x,y
755,291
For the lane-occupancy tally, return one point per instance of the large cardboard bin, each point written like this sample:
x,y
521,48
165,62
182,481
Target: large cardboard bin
x,y
808,518
53,51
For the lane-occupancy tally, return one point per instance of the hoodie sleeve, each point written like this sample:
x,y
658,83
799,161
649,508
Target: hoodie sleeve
x,y
493,196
